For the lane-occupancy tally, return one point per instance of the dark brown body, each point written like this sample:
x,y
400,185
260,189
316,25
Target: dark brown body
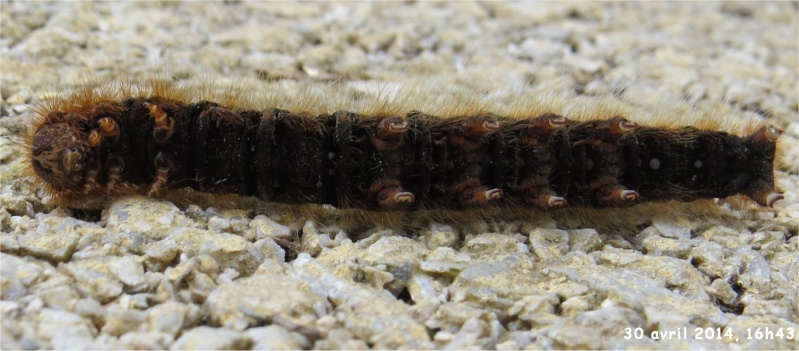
x,y
409,162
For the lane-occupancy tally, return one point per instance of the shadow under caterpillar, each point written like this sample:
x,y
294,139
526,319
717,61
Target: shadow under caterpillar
x,y
390,162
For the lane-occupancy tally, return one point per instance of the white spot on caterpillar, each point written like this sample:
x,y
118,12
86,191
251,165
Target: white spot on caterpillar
x,y
654,164
698,164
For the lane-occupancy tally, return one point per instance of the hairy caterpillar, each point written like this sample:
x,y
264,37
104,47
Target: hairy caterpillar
x,y
114,141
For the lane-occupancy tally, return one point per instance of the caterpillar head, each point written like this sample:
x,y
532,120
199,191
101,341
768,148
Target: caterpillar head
x,y
60,155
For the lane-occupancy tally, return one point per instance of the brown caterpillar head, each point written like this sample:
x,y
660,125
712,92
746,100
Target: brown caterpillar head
x,y
59,155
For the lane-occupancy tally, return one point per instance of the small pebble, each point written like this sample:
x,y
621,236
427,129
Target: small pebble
x,y
207,338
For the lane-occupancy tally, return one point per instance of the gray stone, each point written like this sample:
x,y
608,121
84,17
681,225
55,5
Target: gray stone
x,y
277,65
755,274
16,205
96,241
468,335
767,239
445,260
262,297
709,259
383,322
438,235
451,315
163,250
313,241
67,339
755,264
491,247
376,277
150,218
395,251
612,256
496,284
90,309
51,246
59,297
574,337
609,321
218,224
5,221
9,243
549,49
676,273
228,250
168,317
660,246
270,249
549,243
92,277
770,309
632,289
207,338
340,339
275,337
584,240
119,320
726,237
64,329
508,345
195,274
265,227
785,265
230,274
17,275
424,288
668,228
138,301
722,290
618,241
463,326
577,304
239,221
535,309
129,271
146,340
567,290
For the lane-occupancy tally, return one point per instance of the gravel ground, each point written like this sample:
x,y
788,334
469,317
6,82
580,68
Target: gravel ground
x,y
145,273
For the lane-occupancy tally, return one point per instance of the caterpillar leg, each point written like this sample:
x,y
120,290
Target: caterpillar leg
x,y
163,166
542,197
164,125
389,134
389,195
470,193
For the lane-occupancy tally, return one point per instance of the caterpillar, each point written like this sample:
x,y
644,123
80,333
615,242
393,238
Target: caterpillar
x,y
116,141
